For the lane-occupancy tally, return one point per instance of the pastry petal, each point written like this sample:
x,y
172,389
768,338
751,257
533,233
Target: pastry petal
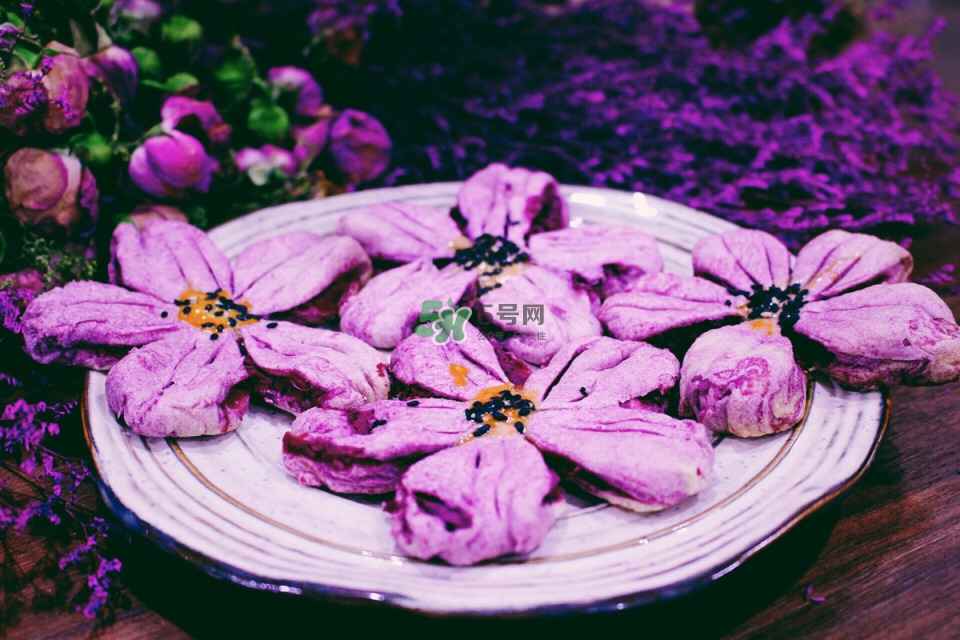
x,y
608,257
184,385
603,372
885,334
743,381
662,301
635,459
838,261
303,273
511,203
402,231
482,500
167,258
366,450
92,324
567,313
303,367
388,309
456,370
743,258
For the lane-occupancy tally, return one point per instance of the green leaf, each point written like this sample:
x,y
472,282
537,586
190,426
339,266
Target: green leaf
x,y
174,83
269,121
148,61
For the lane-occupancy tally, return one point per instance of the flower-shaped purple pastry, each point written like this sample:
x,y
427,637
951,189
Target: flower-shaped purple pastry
x,y
203,328
466,452
508,254
844,306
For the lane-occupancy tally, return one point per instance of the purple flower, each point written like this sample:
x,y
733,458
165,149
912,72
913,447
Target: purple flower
x,y
118,70
50,191
298,81
360,146
172,165
844,306
310,140
188,311
260,163
22,97
178,112
510,245
67,88
466,456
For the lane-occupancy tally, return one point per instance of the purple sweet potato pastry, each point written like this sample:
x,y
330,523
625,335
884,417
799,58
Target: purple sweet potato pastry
x,y
309,277
637,460
839,261
567,313
91,324
743,381
187,310
603,372
844,307
388,309
511,203
470,482
402,231
184,385
485,499
742,259
301,367
514,241
885,334
455,370
366,450
662,301
607,257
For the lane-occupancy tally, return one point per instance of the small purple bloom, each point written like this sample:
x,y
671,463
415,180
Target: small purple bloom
x,y
300,82
50,191
360,146
118,70
310,140
172,165
176,109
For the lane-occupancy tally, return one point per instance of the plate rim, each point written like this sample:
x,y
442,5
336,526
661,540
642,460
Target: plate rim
x,y
358,597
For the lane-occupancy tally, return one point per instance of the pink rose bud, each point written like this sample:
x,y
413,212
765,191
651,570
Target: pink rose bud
x,y
298,81
258,164
118,70
360,146
68,89
49,191
309,141
178,110
21,94
29,279
146,213
172,165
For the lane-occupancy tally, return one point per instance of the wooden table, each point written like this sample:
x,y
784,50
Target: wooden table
x,y
886,558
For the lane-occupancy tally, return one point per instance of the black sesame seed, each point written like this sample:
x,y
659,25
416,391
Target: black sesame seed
x,y
518,426
180,303
214,336
218,314
164,314
583,390
498,416
272,325
186,311
481,430
232,322
728,303
209,307
524,411
413,403
377,423
206,325
219,328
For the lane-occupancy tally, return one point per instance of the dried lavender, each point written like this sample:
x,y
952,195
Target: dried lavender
x,y
778,133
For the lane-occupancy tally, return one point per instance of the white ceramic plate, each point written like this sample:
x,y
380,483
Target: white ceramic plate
x,y
227,505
